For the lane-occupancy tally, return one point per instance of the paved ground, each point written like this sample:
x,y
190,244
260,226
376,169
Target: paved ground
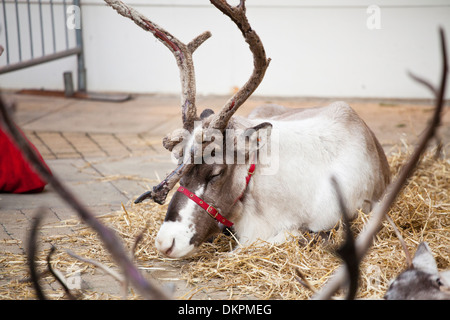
x,y
90,145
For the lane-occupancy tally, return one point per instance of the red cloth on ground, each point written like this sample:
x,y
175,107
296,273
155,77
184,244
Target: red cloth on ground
x,y
16,175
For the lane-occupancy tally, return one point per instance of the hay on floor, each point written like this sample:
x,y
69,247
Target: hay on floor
x,y
266,271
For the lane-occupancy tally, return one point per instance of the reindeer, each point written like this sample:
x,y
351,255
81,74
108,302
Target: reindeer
x,y
421,281
310,146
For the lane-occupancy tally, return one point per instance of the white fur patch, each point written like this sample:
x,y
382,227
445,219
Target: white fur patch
x,y
174,237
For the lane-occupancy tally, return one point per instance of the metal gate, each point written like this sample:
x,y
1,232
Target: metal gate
x,y
36,31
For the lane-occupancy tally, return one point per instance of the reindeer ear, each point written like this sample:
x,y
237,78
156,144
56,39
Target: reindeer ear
x,y
264,125
206,113
252,139
259,134
423,259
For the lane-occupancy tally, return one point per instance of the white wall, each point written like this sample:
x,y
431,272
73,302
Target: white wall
x,y
318,48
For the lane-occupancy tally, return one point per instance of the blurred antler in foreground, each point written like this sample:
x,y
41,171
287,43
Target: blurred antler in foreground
x,y
108,236
365,239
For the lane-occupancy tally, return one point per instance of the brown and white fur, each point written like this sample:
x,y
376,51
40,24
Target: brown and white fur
x,y
313,145
422,281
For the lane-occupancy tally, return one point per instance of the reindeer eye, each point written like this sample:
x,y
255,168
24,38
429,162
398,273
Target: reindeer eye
x,y
215,174
211,177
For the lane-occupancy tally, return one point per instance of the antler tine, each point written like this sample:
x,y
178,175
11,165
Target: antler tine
x,y
260,62
183,55
159,193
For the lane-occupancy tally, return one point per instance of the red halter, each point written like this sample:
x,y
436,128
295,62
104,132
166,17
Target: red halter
x,y
213,212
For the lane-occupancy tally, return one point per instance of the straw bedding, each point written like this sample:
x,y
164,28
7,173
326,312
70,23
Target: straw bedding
x,y
262,270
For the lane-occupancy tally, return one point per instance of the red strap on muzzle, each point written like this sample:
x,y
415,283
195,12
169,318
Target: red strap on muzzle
x,y
212,211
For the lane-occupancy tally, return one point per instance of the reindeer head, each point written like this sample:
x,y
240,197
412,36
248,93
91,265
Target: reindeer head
x,y
208,175
212,188
421,281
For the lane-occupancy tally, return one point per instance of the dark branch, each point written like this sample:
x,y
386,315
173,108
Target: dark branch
x,y
348,250
108,236
56,276
303,281
32,251
365,239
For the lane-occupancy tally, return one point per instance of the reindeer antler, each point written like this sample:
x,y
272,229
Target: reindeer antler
x,y
260,62
183,55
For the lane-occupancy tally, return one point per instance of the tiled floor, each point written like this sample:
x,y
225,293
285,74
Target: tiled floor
x,y
86,142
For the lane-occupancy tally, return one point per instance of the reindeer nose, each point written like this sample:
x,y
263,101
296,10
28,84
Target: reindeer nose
x,y
164,248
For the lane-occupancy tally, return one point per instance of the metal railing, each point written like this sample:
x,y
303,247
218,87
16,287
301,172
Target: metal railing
x,y
36,31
